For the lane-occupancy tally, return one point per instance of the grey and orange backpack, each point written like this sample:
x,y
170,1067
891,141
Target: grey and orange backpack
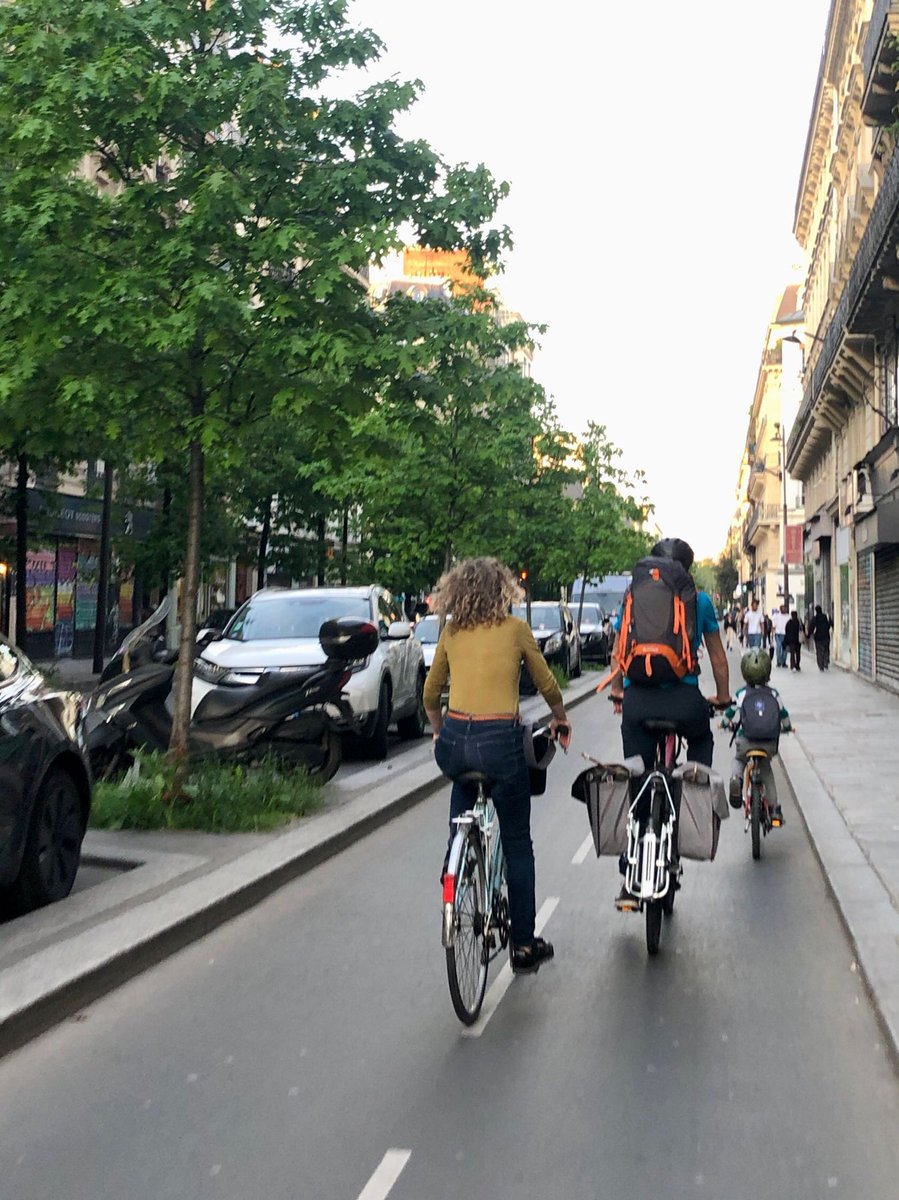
x,y
658,624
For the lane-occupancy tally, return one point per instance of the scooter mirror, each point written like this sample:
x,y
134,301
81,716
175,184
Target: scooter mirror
x,y
346,639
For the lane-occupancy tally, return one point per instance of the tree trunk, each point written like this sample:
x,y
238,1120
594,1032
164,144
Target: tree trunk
x,y
580,607
21,551
264,534
190,586
344,547
103,583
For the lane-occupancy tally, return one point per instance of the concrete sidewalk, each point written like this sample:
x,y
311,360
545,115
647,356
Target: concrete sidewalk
x,y
843,765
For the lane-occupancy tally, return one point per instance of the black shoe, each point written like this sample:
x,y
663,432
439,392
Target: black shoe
x,y
526,959
735,792
777,817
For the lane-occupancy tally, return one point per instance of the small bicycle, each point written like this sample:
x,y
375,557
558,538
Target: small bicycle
x,y
760,819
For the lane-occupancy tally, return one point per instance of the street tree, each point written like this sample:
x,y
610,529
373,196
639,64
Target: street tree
x,y
205,275
450,442
607,526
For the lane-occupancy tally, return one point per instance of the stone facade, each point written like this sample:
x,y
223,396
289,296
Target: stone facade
x,y
843,444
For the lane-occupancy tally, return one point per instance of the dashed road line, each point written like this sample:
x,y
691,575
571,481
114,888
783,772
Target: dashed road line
x,y
500,985
583,850
388,1172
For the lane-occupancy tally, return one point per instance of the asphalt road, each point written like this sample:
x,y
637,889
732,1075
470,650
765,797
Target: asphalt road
x,y
308,1050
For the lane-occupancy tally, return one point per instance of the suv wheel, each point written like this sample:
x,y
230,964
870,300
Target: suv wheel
x,y
413,726
376,741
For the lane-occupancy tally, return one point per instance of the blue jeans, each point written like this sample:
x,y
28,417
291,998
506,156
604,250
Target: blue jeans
x,y
497,749
753,639
781,649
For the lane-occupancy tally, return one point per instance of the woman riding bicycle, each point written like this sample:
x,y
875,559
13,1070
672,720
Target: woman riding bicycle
x,y
480,652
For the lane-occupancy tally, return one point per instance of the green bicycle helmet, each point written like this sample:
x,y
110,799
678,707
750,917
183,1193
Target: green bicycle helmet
x,y
756,666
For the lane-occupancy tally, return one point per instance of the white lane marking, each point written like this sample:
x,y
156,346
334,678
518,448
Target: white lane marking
x,y
500,985
583,850
389,1170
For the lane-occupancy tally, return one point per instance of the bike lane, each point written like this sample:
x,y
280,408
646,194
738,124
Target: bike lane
x,y
289,1052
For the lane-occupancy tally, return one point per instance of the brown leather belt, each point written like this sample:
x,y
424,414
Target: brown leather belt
x,y
460,716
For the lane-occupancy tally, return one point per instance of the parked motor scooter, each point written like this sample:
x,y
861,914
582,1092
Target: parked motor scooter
x,y
292,715
144,644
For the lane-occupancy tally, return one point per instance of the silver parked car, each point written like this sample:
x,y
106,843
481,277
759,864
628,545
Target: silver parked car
x,y
277,630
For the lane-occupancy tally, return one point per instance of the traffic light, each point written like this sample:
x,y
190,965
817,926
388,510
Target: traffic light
x,y
522,577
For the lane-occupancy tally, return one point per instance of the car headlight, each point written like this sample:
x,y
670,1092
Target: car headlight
x,y
553,643
213,673
360,665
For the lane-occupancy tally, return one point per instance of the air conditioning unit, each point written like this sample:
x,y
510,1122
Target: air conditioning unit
x,y
862,499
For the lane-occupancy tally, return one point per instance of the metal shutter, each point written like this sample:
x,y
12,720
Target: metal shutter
x,y
865,613
886,615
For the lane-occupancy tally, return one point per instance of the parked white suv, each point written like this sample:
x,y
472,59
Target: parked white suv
x,y
277,630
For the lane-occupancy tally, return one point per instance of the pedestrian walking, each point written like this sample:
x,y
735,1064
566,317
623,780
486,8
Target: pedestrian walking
x,y
753,624
780,618
730,629
793,633
819,631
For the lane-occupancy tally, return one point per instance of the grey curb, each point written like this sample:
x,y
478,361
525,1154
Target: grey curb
x,y
56,981
862,900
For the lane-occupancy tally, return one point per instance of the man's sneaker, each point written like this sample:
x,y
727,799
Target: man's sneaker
x,y
735,791
626,901
527,959
777,817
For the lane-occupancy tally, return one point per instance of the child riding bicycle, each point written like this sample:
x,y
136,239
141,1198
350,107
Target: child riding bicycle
x,y
757,718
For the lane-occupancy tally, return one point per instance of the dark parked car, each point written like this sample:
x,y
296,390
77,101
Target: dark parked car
x,y
595,630
45,786
554,631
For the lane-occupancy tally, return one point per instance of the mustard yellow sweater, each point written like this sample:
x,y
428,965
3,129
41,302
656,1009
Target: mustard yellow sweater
x,y
483,665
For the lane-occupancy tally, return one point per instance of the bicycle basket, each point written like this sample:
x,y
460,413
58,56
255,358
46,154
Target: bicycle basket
x,y
703,805
605,789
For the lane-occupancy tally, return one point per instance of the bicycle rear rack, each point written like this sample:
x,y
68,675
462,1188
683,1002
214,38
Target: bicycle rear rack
x,y
649,853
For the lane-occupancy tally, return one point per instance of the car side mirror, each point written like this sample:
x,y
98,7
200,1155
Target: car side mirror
x,y
205,636
399,631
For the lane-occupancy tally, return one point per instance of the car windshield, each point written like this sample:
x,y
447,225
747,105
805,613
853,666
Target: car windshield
x,y
428,630
543,616
293,615
592,615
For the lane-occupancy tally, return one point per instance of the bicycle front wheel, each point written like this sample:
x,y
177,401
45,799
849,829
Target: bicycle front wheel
x,y
466,958
755,817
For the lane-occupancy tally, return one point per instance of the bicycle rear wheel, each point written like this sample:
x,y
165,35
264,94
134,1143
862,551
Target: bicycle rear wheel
x,y
653,925
755,817
466,959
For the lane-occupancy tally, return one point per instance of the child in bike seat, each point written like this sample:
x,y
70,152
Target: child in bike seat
x,y
757,718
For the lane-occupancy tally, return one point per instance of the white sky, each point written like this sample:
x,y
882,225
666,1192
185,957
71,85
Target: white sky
x,y
654,152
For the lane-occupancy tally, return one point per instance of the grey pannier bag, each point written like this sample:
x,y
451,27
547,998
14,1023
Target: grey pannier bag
x,y
605,789
703,806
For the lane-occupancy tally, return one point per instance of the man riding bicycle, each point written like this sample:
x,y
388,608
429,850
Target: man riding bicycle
x,y
641,696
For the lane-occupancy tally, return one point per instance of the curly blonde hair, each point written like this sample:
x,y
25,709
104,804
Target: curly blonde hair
x,y
477,591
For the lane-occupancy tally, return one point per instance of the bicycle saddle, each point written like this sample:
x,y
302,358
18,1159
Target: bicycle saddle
x,y
474,777
660,726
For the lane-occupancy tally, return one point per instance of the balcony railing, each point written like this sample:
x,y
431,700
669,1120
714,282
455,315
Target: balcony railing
x,y
760,514
879,97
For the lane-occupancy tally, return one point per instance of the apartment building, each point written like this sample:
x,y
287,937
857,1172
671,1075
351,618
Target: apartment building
x,y
844,443
766,533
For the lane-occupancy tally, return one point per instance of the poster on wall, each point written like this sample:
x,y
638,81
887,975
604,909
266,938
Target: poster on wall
x,y
40,581
86,588
64,628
